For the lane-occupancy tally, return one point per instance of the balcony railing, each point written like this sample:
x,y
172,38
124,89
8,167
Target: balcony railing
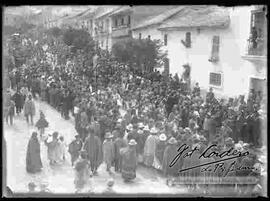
x,y
121,27
257,47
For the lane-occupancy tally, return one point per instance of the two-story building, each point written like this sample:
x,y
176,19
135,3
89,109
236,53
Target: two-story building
x,y
219,45
102,29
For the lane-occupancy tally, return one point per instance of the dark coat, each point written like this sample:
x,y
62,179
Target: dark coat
x,y
33,160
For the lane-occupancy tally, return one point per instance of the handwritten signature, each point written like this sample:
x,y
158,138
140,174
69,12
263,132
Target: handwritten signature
x,y
184,152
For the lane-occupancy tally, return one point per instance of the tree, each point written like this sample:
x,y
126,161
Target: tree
x,y
78,39
54,31
138,53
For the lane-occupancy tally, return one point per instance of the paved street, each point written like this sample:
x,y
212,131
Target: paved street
x,y
60,179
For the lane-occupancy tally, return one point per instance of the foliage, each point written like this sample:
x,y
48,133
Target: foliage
x,y
79,39
9,30
54,31
139,52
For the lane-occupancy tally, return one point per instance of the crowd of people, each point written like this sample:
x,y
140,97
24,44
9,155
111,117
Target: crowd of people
x,y
124,119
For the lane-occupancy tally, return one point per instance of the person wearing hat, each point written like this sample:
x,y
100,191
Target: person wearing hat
x,y
169,154
32,187
119,143
29,109
161,145
109,189
74,148
33,160
150,147
129,161
81,171
108,151
52,148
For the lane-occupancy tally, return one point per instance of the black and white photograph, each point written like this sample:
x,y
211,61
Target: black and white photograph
x,y
134,101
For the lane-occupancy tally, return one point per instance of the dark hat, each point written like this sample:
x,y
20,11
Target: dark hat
x,y
55,134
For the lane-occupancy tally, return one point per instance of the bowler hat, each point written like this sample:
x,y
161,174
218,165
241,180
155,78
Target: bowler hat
x,y
132,142
162,137
172,140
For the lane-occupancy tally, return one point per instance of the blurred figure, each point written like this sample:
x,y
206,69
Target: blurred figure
x,y
29,109
74,149
33,160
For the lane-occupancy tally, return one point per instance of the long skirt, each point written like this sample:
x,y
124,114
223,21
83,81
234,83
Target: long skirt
x,y
129,172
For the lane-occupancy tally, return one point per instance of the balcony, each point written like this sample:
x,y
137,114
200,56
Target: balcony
x,y
256,50
121,31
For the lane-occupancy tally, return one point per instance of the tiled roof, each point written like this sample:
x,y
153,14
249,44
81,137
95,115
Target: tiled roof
x,y
105,10
153,20
199,16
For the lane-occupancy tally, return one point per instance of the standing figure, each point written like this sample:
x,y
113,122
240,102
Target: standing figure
x,y
61,150
74,149
118,144
108,151
170,168
92,146
150,147
52,148
161,145
33,160
81,171
29,109
18,99
42,123
10,111
129,161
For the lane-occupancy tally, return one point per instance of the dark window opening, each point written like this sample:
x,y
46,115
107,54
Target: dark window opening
x,y
215,79
188,39
122,21
149,37
140,36
128,20
215,49
165,39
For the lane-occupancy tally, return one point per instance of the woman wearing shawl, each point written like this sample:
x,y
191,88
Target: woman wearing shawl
x,y
33,160
129,161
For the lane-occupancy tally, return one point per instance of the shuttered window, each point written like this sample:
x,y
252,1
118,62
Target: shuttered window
x,y
188,39
128,20
140,35
215,49
149,37
165,39
215,79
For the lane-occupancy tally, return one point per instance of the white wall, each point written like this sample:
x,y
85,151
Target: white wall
x,y
152,31
233,42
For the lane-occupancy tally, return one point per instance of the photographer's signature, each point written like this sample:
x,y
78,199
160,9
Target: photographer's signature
x,y
220,158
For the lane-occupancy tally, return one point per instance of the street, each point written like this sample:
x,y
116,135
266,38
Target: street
x,y
60,178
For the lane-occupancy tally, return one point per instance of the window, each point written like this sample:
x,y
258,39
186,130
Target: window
x,y
258,33
215,49
165,39
166,66
128,20
149,37
122,21
215,79
102,43
188,39
140,35
115,22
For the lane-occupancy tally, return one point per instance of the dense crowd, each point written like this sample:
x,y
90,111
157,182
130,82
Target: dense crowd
x,y
124,118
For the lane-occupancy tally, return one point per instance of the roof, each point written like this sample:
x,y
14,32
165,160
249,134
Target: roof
x,y
105,10
154,20
199,16
120,10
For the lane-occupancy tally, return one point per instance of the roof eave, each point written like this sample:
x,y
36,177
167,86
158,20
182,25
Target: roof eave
x,y
224,26
146,26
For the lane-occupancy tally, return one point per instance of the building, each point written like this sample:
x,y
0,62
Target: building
x,y
216,43
102,27
127,18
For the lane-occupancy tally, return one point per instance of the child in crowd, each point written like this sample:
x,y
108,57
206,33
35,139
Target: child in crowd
x,y
41,124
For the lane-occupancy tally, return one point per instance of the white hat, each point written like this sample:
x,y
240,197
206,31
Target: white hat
x,y
119,120
153,130
132,142
129,127
146,128
162,137
140,125
140,131
196,113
